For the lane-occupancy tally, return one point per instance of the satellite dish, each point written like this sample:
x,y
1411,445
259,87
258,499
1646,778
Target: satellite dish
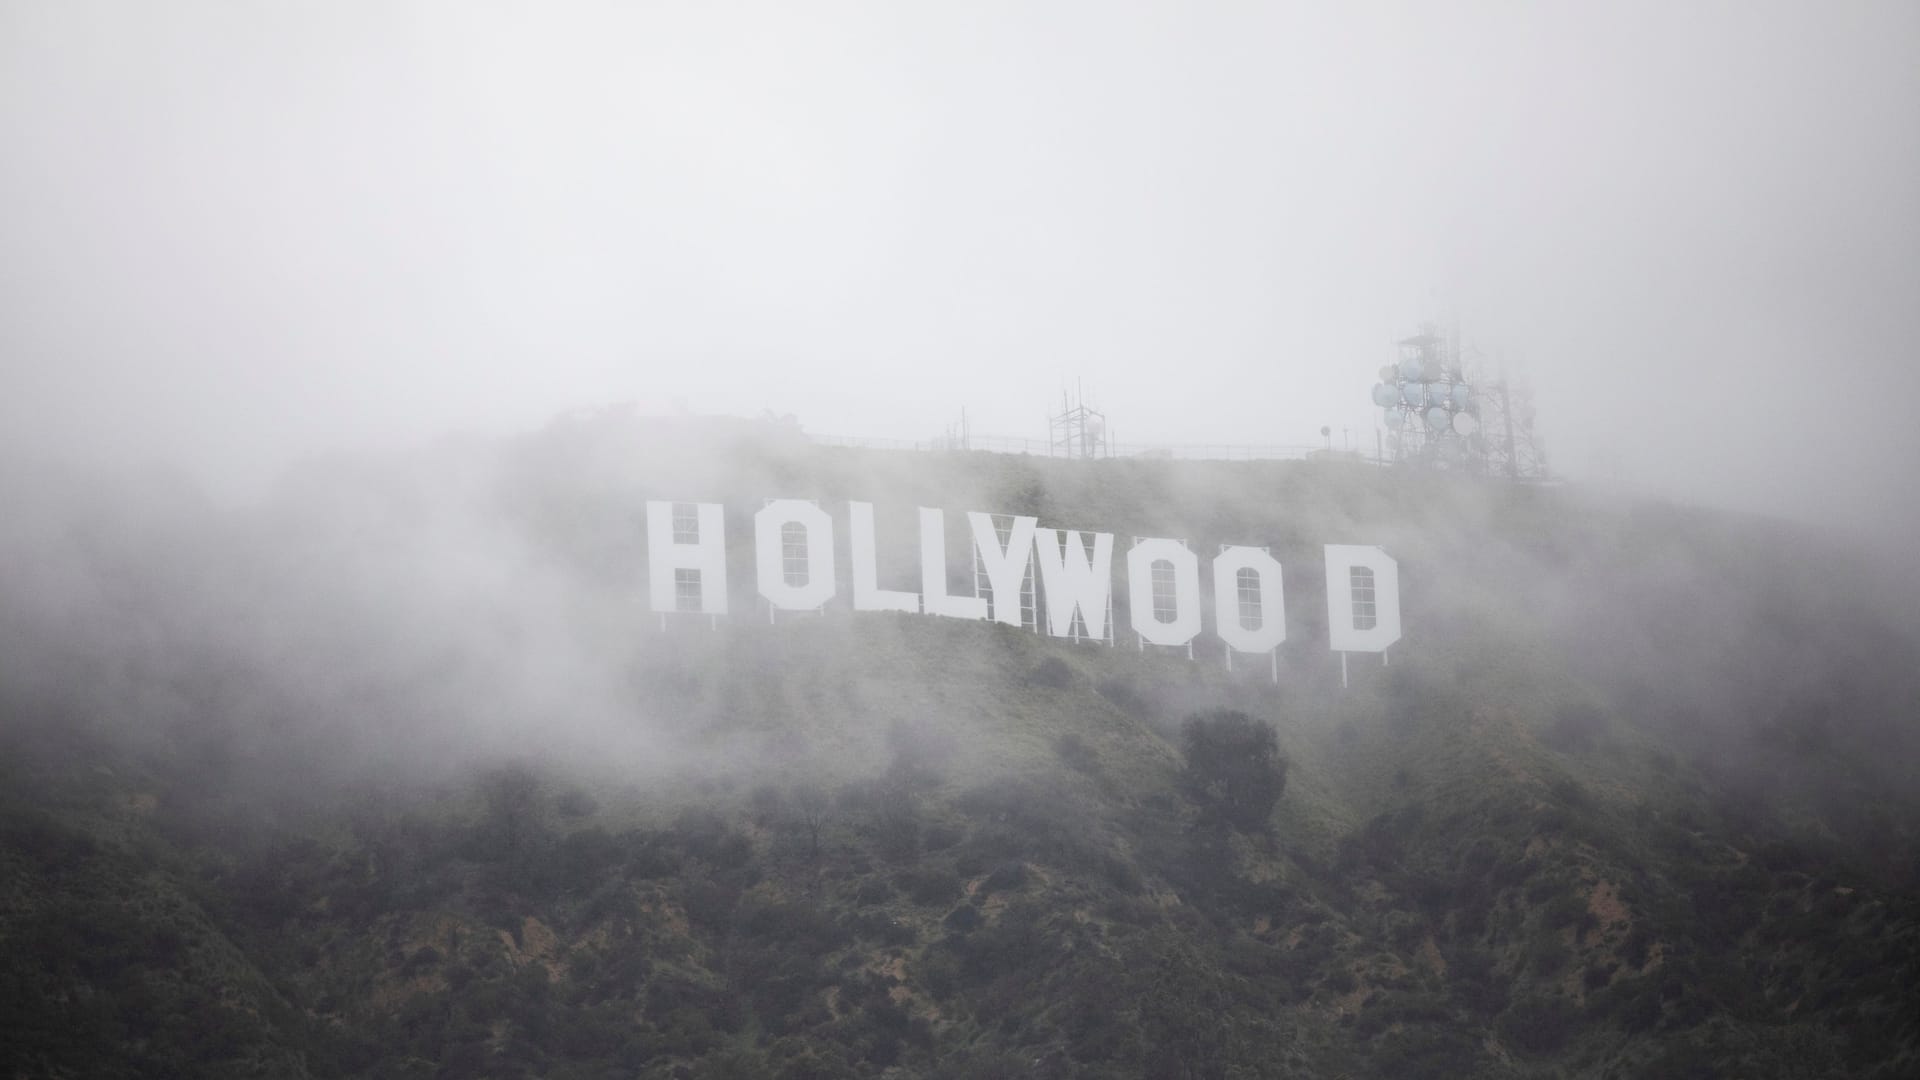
x,y
1465,423
1387,373
1410,368
1462,395
1384,395
1392,414
1437,419
1414,394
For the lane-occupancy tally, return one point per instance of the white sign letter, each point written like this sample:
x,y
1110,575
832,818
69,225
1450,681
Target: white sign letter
x,y
1269,605
680,541
933,572
1363,598
1075,582
1005,568
1185,624
771,527
867,593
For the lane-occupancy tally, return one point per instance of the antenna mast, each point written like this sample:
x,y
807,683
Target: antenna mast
x,y
1077,431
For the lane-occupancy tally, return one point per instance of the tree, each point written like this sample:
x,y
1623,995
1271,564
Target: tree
x,y
810,806
1235,771
513,804
896,819
891,808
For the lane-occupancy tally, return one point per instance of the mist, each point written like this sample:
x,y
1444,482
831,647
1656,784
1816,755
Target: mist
x,y
405,618
236,238
410,714
342,348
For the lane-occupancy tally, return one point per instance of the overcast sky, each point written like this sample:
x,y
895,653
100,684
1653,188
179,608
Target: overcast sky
x,y
234,233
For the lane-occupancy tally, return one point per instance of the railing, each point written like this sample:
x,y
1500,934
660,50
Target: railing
x,y
1169,451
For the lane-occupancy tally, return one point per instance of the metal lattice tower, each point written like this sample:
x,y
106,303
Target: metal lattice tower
x,y
1430,413
1435,412
1077,431
1512,447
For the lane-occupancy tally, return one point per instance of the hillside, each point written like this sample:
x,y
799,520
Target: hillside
x,y
394,775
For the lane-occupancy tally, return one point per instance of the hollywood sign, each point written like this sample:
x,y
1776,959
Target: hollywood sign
x,y
795,564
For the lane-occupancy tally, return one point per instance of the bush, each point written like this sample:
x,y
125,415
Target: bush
x,y
1575,728
1634,1004
1124,696
576,803
1076,754
881,927
930,886
1548,954
706,836
1234,768
1053,673
1564,910
1007,877
1538,1025
962,919
1416,1053
889,809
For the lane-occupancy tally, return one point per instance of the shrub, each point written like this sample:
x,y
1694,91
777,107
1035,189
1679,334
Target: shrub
x,y
1574,728
1234,769
1124,695
424,957
930,886
1538,1025
1053,673
576,803
1076,754
1566,909
962,919
1007,877
1549,954
706,836
881,927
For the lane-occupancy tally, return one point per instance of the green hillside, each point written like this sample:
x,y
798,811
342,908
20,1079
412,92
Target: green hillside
x,y
395,775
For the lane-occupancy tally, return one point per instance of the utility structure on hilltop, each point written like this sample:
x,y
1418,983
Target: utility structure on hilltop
x,y
1077,431
1430,412
957,436
1512,448
1436,413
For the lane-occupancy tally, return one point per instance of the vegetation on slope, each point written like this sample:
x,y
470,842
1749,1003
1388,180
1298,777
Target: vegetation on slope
x,y
391,778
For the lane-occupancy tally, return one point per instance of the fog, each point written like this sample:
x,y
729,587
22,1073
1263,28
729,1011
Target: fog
x,y
343,347
236,236
293,297
412,615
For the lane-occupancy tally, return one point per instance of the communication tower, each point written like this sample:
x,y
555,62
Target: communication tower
x,y
1513,448
1430,412
957,436
1077,431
